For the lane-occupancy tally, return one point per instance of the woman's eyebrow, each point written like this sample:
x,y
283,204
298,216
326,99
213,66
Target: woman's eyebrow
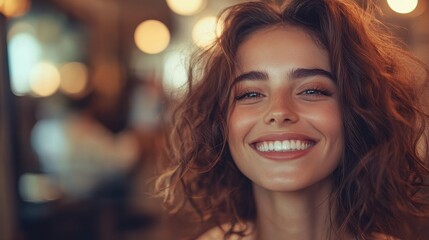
x,y
296,73
310,72
252,75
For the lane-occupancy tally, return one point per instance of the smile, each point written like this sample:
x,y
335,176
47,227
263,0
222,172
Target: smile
x,y
283,146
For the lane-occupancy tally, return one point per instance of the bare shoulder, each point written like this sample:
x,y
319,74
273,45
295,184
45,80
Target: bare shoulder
x,y
380,236
213,234
217,233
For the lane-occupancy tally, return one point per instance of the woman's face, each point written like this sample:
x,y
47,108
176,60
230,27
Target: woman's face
x,y
285,127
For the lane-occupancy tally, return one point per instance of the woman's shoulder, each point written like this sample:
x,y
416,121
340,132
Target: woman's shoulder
x,y
212,234
217,233
381,236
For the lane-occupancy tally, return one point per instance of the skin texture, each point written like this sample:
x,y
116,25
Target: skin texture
x,y
275,100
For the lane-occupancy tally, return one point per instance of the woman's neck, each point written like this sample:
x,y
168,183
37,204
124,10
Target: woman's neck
x,y
299,215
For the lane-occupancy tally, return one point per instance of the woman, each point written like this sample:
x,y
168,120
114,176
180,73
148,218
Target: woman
x,y
303,121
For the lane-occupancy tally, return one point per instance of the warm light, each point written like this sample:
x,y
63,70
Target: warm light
x,y
402,6
205,31
174,72
20,27
14,8
39,188
186,7
24,53
74,78
152,36
44,79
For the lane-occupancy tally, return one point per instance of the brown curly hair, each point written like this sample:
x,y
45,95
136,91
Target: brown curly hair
x,y
381,180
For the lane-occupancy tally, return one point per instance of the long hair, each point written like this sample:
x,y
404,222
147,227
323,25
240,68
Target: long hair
x,y
381,179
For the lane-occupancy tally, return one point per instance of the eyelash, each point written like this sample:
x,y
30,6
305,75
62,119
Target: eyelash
x,y
317,91
247,95
312,92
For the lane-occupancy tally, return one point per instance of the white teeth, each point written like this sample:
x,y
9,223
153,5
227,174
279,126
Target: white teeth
x,y
278,146
293,144
283,146
286,145
270,146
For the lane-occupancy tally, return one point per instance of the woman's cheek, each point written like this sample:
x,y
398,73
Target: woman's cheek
x,y
241,121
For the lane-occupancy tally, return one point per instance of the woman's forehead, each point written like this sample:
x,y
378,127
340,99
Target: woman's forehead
x,y
280,47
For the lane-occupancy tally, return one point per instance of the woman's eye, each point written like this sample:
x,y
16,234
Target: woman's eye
x,y
249,95
316,92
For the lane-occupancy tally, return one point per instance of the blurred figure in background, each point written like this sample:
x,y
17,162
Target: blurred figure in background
x,y
80,150
80,153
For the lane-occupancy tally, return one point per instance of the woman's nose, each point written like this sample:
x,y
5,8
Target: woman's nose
x,y
281,111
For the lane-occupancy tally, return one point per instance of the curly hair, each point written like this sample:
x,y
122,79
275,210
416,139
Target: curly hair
x,y
381,180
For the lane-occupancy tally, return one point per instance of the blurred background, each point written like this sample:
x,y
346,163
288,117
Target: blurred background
x,y
84,94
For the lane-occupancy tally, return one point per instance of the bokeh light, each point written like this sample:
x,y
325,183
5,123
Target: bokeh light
x,y
23,26
14,8
24,53
174,72
402,6
186,7
205,31
74,78
44,79
152,36
38,188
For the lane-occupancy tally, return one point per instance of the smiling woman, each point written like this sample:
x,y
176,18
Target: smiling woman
x,y
285,130
302,121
